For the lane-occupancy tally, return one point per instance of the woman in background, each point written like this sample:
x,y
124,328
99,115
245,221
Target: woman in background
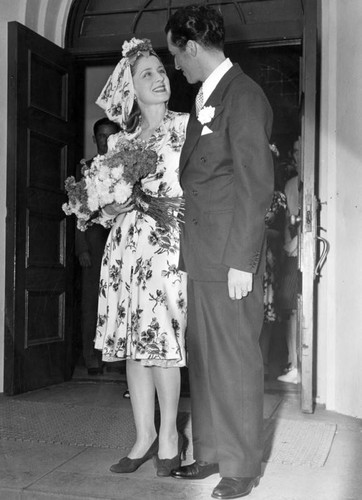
x,y
289,284
274,221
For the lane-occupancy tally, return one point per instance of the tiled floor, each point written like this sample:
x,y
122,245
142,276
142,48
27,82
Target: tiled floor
x,y
34,470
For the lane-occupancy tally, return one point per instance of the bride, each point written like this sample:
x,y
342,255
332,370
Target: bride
x,y
142,294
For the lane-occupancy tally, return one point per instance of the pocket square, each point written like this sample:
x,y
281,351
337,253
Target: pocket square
x,y
206,130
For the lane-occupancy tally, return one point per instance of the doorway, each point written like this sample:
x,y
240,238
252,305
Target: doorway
x,y
277,69
98,33
262,31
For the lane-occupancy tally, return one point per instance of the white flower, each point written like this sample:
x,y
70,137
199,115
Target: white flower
x,y
93,202
128,46
122,192
67,209
103,173
117,172
206,114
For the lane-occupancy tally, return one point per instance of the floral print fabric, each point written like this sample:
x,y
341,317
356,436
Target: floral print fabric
x,y
142,294
274,221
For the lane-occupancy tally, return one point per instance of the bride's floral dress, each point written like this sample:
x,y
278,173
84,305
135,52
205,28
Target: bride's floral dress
x,y
142,294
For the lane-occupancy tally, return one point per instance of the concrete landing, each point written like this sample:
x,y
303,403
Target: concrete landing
x,y
42,471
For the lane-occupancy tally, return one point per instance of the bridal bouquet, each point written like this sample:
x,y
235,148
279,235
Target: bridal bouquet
x,y
114,178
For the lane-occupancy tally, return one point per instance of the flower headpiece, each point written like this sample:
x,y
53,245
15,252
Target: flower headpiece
x,y
135,47
117,96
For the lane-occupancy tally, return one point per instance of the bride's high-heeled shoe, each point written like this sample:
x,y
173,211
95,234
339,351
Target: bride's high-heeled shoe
x,y
127,465
166,465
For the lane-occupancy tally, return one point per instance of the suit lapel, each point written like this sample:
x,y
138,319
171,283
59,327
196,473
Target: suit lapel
x,y
194,127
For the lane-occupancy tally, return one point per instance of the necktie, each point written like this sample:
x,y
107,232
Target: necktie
x,y
199,101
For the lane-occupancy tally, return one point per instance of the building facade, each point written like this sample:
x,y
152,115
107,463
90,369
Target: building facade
x,y
338,348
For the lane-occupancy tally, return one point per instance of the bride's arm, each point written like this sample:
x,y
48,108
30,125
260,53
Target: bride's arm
x,y
113,211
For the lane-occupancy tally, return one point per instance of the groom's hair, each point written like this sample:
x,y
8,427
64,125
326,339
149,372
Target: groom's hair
x,y
199,23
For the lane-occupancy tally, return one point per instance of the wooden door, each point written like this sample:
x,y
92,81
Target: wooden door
x,y
308,227
39,239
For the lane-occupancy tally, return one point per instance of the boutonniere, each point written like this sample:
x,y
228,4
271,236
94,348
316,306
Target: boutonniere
x,y
206,114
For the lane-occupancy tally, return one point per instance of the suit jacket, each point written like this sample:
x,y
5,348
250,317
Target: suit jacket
x,y
228,180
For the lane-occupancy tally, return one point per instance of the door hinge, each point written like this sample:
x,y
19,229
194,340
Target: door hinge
x,y
308,218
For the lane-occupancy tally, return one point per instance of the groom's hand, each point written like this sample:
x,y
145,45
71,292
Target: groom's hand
x,y
240,283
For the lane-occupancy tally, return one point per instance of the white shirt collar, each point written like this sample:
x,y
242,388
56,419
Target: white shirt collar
x,y
212,80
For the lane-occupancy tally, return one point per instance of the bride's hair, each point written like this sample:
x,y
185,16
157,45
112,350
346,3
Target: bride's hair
x,y
134,118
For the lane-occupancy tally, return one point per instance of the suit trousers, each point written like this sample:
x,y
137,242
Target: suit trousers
x,y
226,377
97,237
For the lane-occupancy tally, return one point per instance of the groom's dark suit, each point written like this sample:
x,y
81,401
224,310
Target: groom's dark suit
x,y
227,178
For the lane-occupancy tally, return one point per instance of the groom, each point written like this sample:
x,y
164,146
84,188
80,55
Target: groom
x,y
226,173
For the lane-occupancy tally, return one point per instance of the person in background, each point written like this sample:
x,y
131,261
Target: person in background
x,y
289,282
142,299
275,222
226,172
89,246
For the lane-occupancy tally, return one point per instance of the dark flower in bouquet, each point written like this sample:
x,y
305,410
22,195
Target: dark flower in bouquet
x,y
114,178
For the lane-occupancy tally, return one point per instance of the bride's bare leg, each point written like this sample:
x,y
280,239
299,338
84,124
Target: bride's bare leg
x,y
142,391
168,385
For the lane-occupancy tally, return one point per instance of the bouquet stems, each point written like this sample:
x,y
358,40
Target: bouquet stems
x,y
166,211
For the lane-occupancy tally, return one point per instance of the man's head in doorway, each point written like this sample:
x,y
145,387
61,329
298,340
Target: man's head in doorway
x,y
102,129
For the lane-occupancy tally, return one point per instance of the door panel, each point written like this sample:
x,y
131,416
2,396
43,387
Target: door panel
x,y
39,299
307,240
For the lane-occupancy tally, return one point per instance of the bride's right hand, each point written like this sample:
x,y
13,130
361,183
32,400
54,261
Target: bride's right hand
x,y
119,208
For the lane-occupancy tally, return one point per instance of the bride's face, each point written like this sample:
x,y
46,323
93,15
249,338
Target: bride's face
x,y
150,81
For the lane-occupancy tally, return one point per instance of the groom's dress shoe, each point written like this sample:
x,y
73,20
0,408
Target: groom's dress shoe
x,y
195,471
234,487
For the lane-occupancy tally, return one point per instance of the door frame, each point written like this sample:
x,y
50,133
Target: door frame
x,y
307,304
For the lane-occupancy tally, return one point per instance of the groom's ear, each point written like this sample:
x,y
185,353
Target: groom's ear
x,y
191,47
